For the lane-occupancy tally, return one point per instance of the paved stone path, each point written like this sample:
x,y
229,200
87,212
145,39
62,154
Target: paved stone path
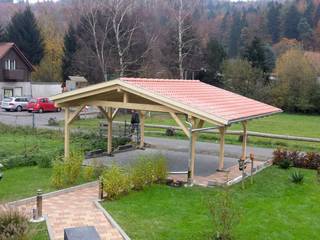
x,y
75,209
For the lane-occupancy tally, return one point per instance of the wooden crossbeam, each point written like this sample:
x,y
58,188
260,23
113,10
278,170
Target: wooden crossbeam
x,y
114,114
104,113
75,114
181,125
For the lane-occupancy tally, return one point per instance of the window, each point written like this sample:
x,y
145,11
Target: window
x,y
10,64
8,92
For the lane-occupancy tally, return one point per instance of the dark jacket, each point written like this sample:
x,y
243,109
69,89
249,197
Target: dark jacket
x,y
135,118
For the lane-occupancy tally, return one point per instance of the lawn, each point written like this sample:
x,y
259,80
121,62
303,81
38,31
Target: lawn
x,y
285,124
39,231
272,208
22,182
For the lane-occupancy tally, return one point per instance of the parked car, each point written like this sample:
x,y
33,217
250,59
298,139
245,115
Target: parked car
x,y
42,105
15,103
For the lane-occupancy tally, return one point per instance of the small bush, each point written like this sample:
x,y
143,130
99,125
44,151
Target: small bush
x,y
88,173
72,167
57,178
297,177
115,182
13,225
160,168
98,168
44,161
285,164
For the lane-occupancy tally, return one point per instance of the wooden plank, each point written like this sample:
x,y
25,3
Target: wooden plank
x,y
244,141
66,133
221,151
142,118
193,148
75,114
114,114
125,97
182,126
109,147
104,113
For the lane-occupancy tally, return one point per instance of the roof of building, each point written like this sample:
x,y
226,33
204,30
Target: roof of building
x,y
78,79
6,46
186,96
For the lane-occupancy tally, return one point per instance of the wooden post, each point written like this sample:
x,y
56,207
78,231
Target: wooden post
x,y
244,141
66,132
142,118
193,148
109,148
221,153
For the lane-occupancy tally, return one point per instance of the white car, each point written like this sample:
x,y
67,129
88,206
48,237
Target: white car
x,y
15,104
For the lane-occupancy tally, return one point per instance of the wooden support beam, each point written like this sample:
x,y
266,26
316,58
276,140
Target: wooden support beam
x,y
75,114
125,97
104,113
135,106
114,114
142,118
109,147
222,131
66,133
193,147
181,125
200,123
244,140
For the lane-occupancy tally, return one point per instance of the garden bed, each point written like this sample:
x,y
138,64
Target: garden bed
x,y
272,208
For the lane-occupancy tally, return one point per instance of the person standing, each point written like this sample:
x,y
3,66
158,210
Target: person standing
x,y
135,124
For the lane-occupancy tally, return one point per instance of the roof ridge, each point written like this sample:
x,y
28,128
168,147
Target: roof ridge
x,y
157,79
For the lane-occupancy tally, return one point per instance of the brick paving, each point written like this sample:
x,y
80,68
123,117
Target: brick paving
x,y
221,178
74,209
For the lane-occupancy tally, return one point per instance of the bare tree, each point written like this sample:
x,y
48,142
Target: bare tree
x,y
185,10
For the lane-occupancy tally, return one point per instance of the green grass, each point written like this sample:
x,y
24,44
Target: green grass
x,y
285,124
272,208
39,231
22,182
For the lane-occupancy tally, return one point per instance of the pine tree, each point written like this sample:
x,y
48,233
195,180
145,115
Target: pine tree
x,y
255,54
2,38
316,16
24,31
308,14
291,21
69,49
305,32
215,55
238,23
273,21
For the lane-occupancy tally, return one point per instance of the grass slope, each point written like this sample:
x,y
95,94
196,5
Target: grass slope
x,y
285,124
272,208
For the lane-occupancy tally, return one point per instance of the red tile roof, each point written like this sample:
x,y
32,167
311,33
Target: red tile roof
x,y
194,94
4,48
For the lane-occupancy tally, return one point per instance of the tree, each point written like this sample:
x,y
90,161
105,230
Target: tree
x,y
284,45
291,21
239,76
316,16
24,31
238,23
2,37
273,21
309,13
214,57
256,52
305,32
69,50
296,82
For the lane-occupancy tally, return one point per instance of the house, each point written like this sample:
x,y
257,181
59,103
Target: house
x,y
15,72
75,82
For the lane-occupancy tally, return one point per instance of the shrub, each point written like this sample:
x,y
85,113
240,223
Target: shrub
x,y
72,167
98,168
309,160
115,182
88,173
285,163
57,178
160,168
224,215
297,177
44,161
13,225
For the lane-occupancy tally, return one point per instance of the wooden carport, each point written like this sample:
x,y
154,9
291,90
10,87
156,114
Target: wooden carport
x,y
200,103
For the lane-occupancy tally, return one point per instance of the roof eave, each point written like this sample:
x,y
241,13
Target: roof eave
x,y
254,117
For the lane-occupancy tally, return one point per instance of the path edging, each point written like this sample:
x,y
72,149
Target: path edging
x,y
52,194
111,220
49,229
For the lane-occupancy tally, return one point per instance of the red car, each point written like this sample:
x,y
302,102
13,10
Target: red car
x,y
42,105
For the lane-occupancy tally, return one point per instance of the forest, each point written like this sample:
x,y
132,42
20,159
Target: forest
x,y
266,50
